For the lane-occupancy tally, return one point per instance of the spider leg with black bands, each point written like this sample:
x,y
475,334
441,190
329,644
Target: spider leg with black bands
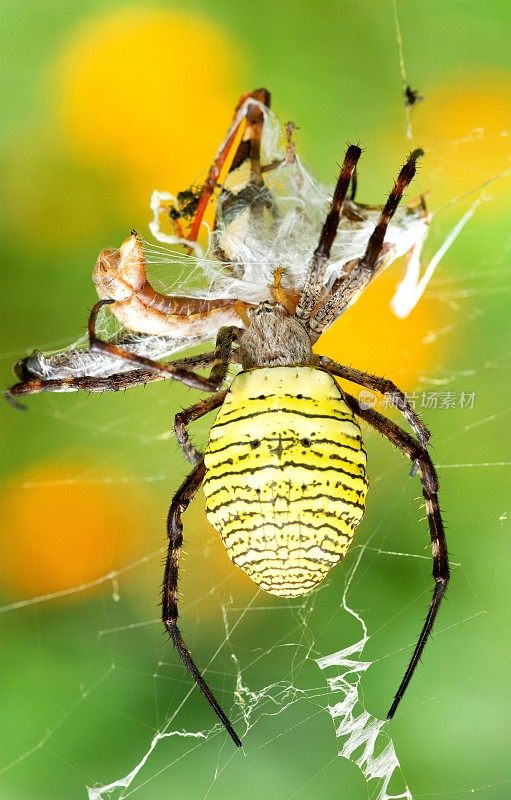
x,y
34,383
358,278
420,456
375,243
313,285
169,370
383,386
183,419
225,339
179,504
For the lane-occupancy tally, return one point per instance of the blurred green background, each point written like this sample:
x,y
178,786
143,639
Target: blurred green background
x,y
102,102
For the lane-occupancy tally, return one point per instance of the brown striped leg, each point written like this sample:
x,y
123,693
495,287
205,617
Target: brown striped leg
x,y
360,276
313,286
225,339
375,243
169,370
183,419
383,386
419,455
113,383
170,615
34,383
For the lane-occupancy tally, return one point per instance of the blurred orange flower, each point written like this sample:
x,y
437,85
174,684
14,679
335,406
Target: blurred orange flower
x,y
64,529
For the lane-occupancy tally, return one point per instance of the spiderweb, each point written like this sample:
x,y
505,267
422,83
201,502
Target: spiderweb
x,y
327,664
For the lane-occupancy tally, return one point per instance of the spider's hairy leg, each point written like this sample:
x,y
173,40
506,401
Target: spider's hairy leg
x,y
358,278
313,285
112,383
225,339
170,615
222,358
34,369
383,386
375,243
420,456
169,370
183,419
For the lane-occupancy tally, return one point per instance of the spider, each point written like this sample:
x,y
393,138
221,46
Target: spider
x,y
284,470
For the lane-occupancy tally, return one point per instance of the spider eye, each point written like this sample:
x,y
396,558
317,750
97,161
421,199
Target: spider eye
x,y
255,443
262,397
299,396
306,442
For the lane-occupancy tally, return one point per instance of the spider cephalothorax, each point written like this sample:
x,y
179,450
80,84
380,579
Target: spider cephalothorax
x,y
273,338
284,471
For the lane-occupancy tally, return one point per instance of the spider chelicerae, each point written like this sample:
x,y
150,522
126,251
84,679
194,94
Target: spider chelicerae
x,y
284,471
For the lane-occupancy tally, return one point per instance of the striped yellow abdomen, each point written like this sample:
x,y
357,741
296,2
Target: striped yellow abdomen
x,y
286,478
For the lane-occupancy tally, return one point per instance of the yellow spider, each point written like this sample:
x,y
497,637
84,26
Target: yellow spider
x,y
284,471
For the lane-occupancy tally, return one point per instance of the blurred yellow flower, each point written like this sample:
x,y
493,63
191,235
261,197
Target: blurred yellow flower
x,y
466,134
148,92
